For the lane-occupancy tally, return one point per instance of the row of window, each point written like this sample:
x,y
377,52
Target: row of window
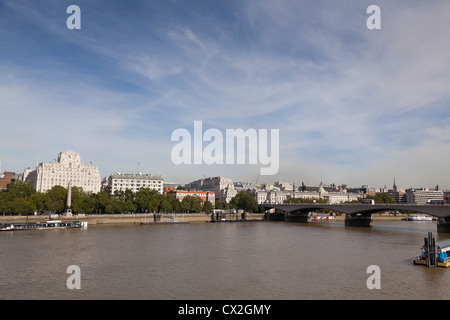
x,y
137,181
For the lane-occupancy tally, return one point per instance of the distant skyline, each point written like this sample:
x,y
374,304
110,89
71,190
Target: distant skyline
x,y
353,106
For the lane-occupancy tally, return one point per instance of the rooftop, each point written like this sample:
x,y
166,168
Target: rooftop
x,y
119,175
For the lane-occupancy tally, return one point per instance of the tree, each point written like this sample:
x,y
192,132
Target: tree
x,y
207,207
147,200
191,204
38,200
101,200
20,189
127,195
176,205
165,204
55,200
22,205
18,198
244,201
222,205
381,198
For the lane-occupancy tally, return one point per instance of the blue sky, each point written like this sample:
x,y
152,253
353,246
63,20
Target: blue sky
x,y
353,106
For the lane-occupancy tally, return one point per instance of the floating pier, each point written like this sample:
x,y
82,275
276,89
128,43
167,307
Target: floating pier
x,y
434,254
157,219
217,217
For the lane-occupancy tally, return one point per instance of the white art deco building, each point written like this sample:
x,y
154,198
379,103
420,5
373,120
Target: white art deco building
x,y
67,168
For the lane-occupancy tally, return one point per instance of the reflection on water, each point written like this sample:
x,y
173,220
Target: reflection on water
x,y
257,260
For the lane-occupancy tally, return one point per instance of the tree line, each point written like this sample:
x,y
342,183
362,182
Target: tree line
x,y
21,198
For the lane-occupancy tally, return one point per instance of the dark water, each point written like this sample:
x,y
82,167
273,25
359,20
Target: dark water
x,y
254,260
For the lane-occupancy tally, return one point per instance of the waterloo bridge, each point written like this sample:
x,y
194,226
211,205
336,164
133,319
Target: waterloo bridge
x,y
356,214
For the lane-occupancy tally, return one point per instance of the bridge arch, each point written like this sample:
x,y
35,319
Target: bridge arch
x,y
361,214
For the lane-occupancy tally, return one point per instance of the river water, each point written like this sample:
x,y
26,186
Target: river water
x,y
252,260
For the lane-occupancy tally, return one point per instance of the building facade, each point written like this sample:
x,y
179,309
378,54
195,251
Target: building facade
x,y
5,179
223,188
276,196
205,196
423,196
67,168
134,182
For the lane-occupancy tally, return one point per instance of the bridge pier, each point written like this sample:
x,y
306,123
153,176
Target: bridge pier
x,y
303,217
443,225
274,216
358,220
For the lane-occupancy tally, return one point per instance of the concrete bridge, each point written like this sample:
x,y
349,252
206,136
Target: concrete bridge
x,y
357,214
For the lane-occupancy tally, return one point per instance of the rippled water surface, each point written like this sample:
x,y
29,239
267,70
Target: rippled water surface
x,y
252,260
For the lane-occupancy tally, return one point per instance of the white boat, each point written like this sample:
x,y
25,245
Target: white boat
x,y
419,218
45,225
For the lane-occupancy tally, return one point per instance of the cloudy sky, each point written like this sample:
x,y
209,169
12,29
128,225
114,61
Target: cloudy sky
x,y
352,105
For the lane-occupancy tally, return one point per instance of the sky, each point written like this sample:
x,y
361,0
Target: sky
x,y
352,105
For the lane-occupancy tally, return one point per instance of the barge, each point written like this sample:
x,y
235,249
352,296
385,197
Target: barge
x,y
434,254
233,220
418,218
44,225
321,218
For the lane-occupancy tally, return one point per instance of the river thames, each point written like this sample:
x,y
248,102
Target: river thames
x,y
250,260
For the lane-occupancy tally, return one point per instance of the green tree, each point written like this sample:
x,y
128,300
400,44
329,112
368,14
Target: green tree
x,y
128,206
20,189
244,201
101,200
18,198
3,203
381,198
22,206
39,200
77,199
113,206
222,205
147,200
176,205
191,204
165,204
124,195
55,200
207,207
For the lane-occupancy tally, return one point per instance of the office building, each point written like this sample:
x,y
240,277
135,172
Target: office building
x,y
223,188
67,168
123,181
424,196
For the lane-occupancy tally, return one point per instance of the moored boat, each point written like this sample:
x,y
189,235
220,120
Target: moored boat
x,y
43,225
321,218
418,218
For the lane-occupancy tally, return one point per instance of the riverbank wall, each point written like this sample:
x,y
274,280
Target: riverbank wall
x,y
119,218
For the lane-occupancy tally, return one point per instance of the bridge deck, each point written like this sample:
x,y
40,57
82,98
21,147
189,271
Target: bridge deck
x,y
433,210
